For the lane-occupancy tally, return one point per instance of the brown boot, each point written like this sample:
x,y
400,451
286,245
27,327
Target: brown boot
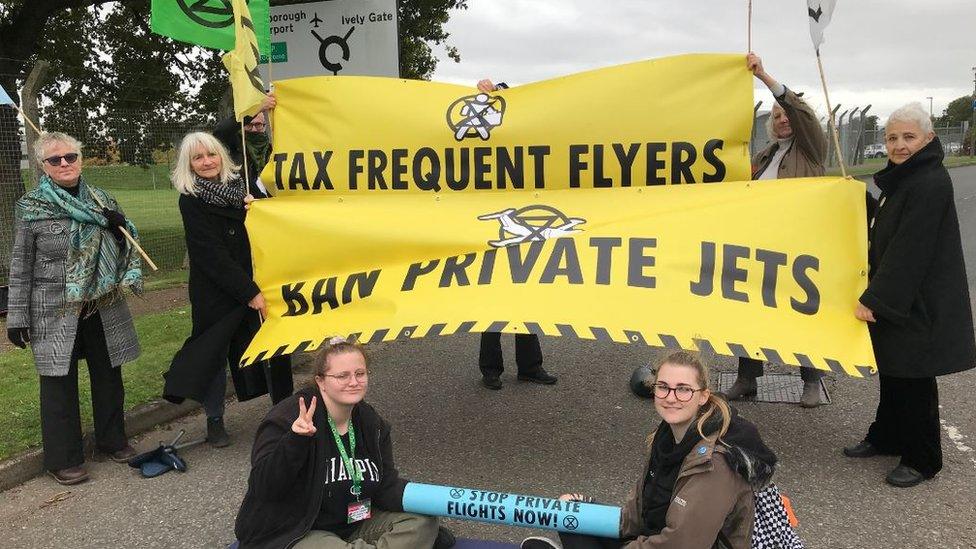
x,y
811,394
70,476
743,387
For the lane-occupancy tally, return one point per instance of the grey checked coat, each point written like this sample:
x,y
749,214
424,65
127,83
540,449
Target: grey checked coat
x,y
36,300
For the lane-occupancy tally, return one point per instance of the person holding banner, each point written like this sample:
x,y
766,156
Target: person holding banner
x,y
322,469
697,487
917,302
528,350
69,266
257,144
224,299
798,149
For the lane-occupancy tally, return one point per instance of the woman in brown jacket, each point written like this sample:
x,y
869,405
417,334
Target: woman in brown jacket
x,y
697,488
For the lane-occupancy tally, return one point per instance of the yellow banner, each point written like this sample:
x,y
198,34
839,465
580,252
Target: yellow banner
x,y
770,270
242,63
684,119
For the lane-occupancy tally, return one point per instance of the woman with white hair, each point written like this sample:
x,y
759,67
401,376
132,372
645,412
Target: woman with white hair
x,y
224,299
69,266
917,301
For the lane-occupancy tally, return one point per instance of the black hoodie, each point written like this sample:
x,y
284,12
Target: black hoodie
x,y
297,482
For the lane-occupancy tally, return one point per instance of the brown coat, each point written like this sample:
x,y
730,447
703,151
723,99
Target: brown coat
x,y
808,153
708,497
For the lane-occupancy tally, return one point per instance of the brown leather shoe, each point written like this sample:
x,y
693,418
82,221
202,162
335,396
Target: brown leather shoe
x,y
123,455
70,476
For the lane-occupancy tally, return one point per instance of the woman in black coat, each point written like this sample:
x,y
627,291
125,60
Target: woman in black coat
x,y
917,301
223,297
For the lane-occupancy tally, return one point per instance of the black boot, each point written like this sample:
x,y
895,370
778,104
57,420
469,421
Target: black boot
x,y
216,434
445,538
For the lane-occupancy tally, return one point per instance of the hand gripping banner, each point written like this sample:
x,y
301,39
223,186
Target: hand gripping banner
x,y
684,119
770,270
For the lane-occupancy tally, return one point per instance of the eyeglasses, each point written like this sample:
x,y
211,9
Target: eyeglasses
x,y
256,126
346,377
70,158
682,392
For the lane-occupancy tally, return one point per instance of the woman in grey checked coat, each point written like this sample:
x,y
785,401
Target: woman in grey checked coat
x,y
69,265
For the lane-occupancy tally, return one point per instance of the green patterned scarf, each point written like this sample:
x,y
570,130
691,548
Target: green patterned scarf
x,y
97,265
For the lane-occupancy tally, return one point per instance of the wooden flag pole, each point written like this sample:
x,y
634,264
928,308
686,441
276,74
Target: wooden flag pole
x,y
830,118
244,157
28,120
128,236
749,32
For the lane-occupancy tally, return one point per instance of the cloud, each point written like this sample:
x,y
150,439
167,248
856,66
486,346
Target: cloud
x,y
882,52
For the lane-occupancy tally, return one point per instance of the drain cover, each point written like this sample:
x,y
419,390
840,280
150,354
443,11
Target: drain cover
x,y
775,387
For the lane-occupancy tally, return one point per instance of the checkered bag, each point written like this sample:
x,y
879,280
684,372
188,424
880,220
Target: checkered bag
x,y
773,528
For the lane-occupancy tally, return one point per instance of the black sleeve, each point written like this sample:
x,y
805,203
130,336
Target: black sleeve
x,y
228,132
278,458
210,255
389,495
898,278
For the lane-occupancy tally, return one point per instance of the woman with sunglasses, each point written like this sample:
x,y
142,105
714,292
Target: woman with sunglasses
x,y
322,470
224,299
697,487
69,266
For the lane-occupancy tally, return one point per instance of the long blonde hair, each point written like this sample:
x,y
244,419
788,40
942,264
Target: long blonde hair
x,y
183,177
713,405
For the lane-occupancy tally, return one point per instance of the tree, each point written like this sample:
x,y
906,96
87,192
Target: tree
x,y
958,111
112,81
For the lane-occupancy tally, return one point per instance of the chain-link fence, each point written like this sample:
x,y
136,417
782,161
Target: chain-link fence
x,y
858,140
131,161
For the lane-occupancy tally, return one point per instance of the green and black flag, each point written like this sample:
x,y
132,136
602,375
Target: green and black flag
x,y
209,23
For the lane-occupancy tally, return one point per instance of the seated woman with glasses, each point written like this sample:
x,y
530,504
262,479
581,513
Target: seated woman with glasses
x,y
697,487
322,470
69,266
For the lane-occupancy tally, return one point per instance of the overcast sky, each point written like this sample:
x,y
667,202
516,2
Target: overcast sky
x,y
879,52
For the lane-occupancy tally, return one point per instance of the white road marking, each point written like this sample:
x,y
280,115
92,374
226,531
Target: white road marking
x,y
958,439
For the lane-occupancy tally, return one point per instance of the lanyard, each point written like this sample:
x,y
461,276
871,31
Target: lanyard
x,y
354,474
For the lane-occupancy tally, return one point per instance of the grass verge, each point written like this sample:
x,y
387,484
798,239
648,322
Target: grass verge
x,y
160,335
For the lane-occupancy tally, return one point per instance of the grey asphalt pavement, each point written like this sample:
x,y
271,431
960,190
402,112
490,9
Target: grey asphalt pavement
x,y
586,433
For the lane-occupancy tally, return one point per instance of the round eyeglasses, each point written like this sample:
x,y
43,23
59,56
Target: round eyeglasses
x,y
682,393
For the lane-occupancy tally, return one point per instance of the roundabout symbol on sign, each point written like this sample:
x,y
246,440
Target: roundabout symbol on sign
x,y
215,14
456,493
336,40
570,522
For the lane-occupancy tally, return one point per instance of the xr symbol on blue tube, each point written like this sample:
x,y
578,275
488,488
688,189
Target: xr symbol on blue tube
x,y
457,493
571,522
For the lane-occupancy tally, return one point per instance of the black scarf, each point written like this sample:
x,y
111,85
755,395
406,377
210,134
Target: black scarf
x,y
230,195
666,459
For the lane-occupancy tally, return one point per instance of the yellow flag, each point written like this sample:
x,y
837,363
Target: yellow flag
x,y
242,62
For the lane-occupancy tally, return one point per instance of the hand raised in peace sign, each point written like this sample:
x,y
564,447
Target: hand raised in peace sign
x,y
303,424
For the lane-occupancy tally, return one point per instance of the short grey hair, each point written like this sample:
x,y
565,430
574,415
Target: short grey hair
x,y
913,113
47,139
183,176
769,121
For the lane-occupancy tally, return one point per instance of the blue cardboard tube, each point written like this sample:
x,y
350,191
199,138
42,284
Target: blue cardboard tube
x,y
512,509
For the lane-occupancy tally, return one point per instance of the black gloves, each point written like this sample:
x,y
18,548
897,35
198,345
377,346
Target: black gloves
x,y
116,222
19,336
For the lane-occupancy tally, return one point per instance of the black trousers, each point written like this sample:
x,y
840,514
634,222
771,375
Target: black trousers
x,y
528,354
581,541
907,423
60,414
752,368
277,373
